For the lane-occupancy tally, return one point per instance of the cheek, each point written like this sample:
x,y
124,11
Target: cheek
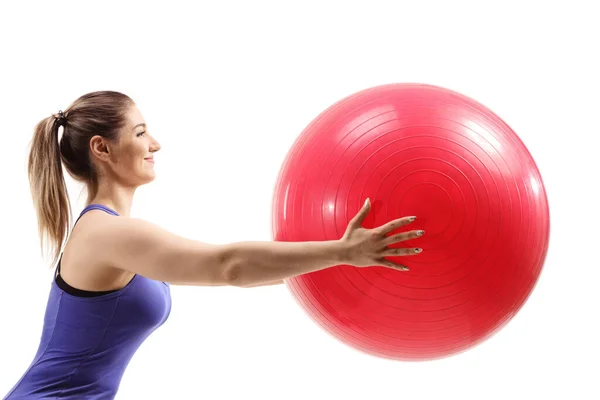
x,y
134,153
128,158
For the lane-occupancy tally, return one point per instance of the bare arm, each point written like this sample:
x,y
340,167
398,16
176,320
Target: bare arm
x,y
253,263
146,249
143,248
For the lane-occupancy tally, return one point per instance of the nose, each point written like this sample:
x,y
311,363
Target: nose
x,y
154,146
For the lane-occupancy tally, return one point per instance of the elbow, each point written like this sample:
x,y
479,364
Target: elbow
x,y
237,270
231,275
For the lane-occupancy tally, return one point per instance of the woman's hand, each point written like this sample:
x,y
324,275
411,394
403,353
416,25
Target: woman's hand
x,y
368,247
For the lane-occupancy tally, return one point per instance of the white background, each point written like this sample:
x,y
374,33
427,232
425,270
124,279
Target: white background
x,y
226,87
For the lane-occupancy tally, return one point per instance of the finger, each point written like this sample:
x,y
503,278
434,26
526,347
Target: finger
x,y
400,237
359,218
393,265
400,251
397,223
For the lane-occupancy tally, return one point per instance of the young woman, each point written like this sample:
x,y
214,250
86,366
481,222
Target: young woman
x,y
110,290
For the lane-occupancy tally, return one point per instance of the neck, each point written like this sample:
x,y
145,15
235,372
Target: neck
x,y
118,198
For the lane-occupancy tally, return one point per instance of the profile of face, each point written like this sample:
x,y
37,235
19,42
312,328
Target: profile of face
x,y
130,159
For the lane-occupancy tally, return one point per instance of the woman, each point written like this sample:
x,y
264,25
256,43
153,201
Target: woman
x,y
111,284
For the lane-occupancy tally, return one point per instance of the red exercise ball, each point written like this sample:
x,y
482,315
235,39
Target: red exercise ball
x,y
472,184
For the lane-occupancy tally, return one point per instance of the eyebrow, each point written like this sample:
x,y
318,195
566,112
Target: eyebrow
x,y
142,124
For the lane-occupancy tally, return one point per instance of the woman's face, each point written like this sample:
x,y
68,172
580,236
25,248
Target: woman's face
x,y
131,160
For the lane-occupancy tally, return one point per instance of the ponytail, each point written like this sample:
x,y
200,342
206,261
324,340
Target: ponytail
x,y
101,113
48,187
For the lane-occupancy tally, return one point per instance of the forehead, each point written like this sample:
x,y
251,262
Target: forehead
x,y
134,117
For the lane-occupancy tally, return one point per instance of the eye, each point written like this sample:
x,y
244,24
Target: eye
x,y
141,134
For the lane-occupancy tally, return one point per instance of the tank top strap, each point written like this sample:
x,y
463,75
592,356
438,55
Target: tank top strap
x,y
98,207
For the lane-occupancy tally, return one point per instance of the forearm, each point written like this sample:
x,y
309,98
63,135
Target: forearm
x,y
256,263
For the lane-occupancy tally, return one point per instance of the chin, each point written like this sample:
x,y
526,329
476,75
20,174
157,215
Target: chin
x,y
147,179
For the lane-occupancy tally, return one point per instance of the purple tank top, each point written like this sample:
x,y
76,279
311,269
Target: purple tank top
x,y
87,342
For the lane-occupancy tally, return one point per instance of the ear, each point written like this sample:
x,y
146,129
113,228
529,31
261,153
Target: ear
x,y
99,148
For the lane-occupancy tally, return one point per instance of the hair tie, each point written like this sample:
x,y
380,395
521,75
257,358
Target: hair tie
x,y
60,118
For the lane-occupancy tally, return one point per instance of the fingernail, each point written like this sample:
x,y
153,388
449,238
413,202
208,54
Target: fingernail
x,y
404,269
411,219
420,233
418,250
367,202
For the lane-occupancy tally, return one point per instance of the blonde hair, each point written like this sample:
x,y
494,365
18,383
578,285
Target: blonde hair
x,y
101,113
